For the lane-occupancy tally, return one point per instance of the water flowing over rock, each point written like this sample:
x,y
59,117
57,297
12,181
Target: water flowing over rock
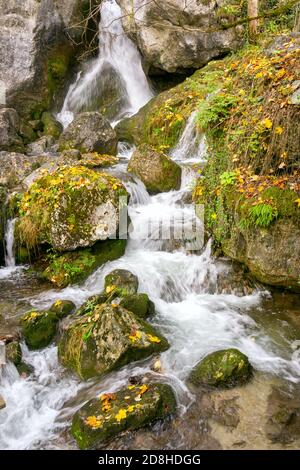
x,y
107,339
128,409
177,36
157,171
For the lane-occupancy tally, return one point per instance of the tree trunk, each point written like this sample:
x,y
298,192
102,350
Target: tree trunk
x,y
253,13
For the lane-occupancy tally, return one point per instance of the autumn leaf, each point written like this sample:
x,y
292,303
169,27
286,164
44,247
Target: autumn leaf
x,y
130,408
135,336
297,201
154,339
93,422
122,414
131,387
278,130
143,389
267,123
109,289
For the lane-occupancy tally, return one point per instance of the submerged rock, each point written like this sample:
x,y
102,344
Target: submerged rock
x,y
13,352
89,132
106,339
39,328
128,409
121,280
156,170
70,208
225,368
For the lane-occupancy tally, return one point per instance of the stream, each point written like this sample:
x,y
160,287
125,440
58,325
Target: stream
x,y
203,304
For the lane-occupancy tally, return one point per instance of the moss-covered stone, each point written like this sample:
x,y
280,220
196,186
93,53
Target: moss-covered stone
x,y
139,304
69,208
225,368
14,352
126,410
156,170
122,281
39,328
63,308
106,339
50,125
76,266
24,369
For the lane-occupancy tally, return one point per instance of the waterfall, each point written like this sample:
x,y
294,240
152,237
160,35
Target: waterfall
x,y
115,82
192,145
10,261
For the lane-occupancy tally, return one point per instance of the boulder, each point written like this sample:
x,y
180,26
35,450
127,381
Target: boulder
x,y
128,409
156,170
63,308
39,328
41,145
177,36
122,281
70,208
225,368
107,338
17,166
13,352
74,267
9,130
51,127
89,132
139,304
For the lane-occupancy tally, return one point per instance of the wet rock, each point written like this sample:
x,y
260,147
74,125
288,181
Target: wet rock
x,y
89,132
139,304
283,424
226,368
41,146
129,409
51,127
25,370
176,36
121,280
156,170
39,328
63,308
2,403
9,130
70,208
106,339
13,352
74,267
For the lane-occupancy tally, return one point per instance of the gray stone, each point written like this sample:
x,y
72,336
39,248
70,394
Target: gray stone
x,y
9,130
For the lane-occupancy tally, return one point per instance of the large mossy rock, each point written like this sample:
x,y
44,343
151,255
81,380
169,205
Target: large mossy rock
x,y
89,132
139,304
75,266
225,368
70,208
156,170
63,308
129,409
39,328
107,339
10,130
121,280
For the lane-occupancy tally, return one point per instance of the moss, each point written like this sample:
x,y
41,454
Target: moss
x,y
63,308
76,266
129,409
14,352
122,281
39,328
225,368
139,304
50,125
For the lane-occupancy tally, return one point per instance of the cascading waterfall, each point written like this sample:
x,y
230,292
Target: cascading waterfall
x,y
191,147
118,69
10,261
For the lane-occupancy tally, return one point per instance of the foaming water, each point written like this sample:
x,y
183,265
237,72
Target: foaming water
x,y
118,62
192,146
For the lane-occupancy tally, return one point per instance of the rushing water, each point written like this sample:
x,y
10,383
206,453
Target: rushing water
x,y
118,68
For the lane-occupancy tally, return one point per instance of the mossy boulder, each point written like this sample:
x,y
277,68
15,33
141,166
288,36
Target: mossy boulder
x,y
74,267
63,308
13,352
70,208
225,368
89,132
50,125
139,304
129,409
122,281
106,339
157,171
39,328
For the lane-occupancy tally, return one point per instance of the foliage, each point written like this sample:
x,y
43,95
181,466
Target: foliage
x,y
263,214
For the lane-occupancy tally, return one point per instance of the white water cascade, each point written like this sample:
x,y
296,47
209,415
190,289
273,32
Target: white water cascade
x,y
191,147
119,60
10,261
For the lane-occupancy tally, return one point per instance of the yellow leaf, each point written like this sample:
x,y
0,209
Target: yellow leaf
x,y
278,130
109,289
154,339
297,201
122,414
267,123
143,389
93,422
130,408
131,387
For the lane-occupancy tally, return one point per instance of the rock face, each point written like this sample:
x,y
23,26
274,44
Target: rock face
x,y
126,410
225,368
9,130
35,52
70,208
105,339
175,35
89,132
16,166
157,171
